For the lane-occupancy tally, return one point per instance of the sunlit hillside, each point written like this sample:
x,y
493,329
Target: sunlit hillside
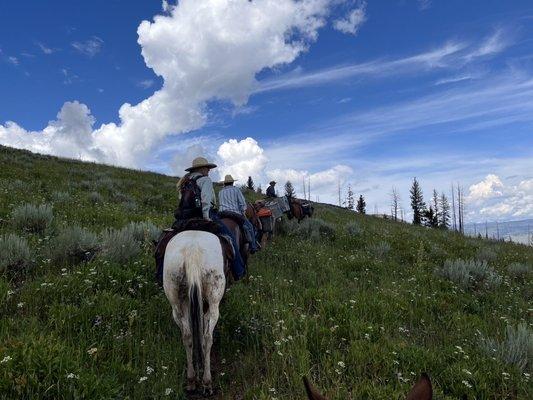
x,y
359,304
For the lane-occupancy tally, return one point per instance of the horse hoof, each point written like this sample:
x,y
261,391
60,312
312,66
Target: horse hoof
x,y
191,385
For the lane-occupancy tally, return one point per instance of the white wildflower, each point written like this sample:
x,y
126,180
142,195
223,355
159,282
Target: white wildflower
x,y
142,379
92,350
168,391
5,359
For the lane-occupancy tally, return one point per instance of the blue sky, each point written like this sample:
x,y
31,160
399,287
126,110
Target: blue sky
x,y
441,90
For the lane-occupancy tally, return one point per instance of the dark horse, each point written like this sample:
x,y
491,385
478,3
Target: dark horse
x,y
237,232
299,209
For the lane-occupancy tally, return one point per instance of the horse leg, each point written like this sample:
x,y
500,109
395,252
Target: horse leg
x,y
210,321
214,296
181,317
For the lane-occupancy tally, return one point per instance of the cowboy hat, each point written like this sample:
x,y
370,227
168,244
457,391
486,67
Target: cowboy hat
x,y
272,183
229,179
200,162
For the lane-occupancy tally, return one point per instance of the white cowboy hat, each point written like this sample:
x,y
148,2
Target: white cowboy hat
x,y
200,162
229,179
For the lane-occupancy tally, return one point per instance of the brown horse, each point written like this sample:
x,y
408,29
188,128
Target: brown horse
x,y
237,232
297,209
251,214
422,390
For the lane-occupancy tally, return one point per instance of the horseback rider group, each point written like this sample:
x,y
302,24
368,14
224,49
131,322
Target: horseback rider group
x,y
197,203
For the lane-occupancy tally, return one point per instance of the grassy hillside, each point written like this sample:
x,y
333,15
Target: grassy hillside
x,y
359,304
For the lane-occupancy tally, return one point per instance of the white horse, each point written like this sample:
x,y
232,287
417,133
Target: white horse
x,y
193,273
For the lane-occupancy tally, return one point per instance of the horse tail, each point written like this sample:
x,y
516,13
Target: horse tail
x,y
193,272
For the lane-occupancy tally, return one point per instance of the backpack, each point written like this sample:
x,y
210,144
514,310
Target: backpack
x,y
190,205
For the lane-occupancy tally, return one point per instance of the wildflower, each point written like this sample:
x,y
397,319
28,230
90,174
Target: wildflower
x,y
149,370
142,379
70,375
467,384
10,292
92,350
5,359
168,391
341,364
467,372
277,343
20,305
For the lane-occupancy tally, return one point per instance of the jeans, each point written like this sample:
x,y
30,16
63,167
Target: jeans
x,y
237,268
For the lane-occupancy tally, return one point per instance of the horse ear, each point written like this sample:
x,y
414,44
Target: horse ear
x,y
312,394
422,390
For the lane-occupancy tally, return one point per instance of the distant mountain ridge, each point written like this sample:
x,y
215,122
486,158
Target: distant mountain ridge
x,y
517,231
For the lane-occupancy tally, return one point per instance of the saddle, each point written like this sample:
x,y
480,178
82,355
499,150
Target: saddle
x,y
195,224
239,219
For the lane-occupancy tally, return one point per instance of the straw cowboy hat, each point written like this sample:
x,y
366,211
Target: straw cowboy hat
x,y
272,182
200,162
229,179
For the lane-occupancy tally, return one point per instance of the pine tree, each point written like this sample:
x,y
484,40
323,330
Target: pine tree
x,y
289,189
250,184
350,201
444,216
417,202
361,205
429,217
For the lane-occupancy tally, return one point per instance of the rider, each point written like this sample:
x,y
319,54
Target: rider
x,y
202,206
271,191
231,199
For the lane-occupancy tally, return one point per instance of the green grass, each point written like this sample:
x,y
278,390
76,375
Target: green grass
x,y
362,322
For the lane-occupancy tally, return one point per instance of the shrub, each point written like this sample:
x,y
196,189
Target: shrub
x,y
119,245
119,197
96,198
60,197
314,229
31,218
130,205
353,228
74,245
380,249
144,231
86,185
14,253
154,201
286,226
470,273
487,254
519,271
516,349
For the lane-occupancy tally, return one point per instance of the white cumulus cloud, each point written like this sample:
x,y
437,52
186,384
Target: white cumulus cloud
x,y
488,188
242,159
233,41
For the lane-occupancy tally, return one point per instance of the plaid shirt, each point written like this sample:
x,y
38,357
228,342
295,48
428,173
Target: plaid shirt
x,y
231,198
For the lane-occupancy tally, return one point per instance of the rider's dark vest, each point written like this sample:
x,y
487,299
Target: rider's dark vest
x,y
190,205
